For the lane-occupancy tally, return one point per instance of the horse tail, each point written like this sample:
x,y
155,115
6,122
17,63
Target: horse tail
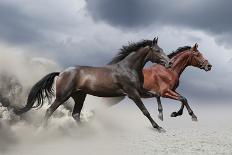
x,y
41,90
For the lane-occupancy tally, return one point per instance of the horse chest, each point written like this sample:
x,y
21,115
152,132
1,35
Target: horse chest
x,y
168,81
132,79
174,82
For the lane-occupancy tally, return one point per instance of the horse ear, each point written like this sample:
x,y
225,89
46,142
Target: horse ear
x,y
196,45
155,41
194,48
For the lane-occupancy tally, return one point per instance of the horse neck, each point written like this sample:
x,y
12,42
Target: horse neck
x,y
137,60
181,61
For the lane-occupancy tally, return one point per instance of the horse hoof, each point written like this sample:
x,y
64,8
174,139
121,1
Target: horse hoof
x,y
194,119
161,130
160,116
174,114
76,117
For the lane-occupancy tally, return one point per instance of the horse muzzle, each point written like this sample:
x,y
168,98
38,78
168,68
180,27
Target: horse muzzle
x,y
207,67
167,64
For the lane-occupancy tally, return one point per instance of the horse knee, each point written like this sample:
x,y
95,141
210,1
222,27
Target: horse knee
x,y
160,109
183,99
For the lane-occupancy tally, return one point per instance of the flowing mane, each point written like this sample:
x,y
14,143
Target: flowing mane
x,y
179,50
126,50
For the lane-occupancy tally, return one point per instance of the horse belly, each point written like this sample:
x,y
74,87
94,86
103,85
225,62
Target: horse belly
x,y
103,90
105,93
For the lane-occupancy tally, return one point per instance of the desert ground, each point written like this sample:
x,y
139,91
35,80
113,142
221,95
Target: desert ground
x,y
121,129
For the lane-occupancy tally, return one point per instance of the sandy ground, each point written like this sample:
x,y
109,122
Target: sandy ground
x,y
122,129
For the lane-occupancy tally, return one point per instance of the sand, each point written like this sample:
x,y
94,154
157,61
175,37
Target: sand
x,y
121,129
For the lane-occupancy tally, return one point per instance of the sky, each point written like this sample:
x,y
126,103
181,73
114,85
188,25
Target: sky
x,y
90,32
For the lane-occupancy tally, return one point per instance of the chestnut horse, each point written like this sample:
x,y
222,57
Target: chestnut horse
x,y
123,76
164,81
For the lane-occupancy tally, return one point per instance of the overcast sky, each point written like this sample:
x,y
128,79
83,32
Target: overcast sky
x,y
91,32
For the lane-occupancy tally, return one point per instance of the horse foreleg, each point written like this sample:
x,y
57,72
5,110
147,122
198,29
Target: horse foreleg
x,y
179,112
173,95
176,96
146,94
190,111
160,108
79,98
134,95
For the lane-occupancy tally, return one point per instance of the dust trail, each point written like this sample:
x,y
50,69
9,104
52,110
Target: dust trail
x,y
18,72
18,134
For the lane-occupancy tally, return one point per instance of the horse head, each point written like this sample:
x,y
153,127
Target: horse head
x,y
157,54
198,60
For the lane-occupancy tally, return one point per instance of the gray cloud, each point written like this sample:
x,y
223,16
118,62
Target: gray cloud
x,y
211,15
57,33
123,13
17,27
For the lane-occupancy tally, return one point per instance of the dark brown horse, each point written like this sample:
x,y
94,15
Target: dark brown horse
x,y
164,81
123,76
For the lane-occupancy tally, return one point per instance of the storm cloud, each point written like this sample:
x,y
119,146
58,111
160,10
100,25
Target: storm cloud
x,y
211,16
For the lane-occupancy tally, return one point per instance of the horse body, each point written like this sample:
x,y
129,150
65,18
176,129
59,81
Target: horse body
x,y
164,81
106,81
159,80
97,81
122,76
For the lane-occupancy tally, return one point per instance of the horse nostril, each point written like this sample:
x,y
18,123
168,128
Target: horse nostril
x,y
209,67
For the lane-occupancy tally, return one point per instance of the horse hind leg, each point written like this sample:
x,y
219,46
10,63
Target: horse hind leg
x,y
51,110
79,98
64,89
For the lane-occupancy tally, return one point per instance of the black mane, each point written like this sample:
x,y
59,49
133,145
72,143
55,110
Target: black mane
x,y
179,50
126,50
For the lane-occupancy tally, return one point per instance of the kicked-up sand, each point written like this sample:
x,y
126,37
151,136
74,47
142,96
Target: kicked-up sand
x,y
121,129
